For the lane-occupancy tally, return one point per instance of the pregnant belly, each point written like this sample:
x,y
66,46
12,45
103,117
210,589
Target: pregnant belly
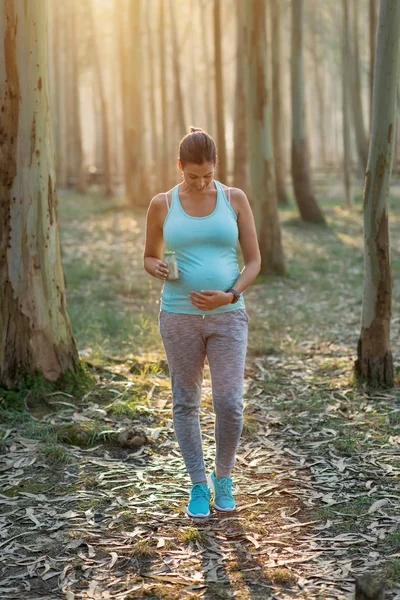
x,y
203,278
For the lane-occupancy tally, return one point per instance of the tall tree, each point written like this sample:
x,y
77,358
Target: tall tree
x,y
345,107
78,163
374,363
308,207
179,112
108,190
57,89
219,94
319,69
356,91
132,107
207,66
164,100
35,332
373,14
152,85
262,173
240,146
277,107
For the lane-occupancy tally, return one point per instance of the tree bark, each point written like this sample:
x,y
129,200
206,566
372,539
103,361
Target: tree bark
x,y
308,207
219,94
136,183
355,88
319,83
152,91
108,190
277,103
164,100
374,363
79,174
373,14
240,146
180,111
345,107
35,332
263,195
208,67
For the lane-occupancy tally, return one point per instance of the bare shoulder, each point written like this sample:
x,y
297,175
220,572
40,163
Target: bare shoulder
x,y
239,200
158,207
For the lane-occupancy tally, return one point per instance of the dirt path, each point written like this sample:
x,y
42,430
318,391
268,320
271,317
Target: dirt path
x,y
317,470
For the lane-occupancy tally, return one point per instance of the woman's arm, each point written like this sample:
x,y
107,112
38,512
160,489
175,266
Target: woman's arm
x,y
154,241
247,239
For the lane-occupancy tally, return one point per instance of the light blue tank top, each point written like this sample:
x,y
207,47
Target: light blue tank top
x,y
205,250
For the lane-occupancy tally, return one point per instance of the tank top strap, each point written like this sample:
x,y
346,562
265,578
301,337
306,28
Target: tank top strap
x,y
221,189
166,200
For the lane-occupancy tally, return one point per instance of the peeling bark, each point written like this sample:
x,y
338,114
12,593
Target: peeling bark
x,y
35,332
374,363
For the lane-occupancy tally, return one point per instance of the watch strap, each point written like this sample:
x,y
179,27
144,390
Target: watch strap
x,y
236,295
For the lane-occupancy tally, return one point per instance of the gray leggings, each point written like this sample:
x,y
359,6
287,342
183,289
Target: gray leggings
x,y
187,340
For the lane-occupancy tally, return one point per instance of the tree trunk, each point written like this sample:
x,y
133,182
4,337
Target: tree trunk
x,y
103,108
345,108
35,332
208,67
240,148
308,207
277,101
152,88
375,363
319,83
79,174
61,159
219,94
164,101
355,88
373,13
179,111
262,172
132,107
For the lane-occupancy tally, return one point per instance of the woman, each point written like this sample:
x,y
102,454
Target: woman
x,y
203,312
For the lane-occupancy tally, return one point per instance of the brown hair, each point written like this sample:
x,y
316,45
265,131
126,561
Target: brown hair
x,y
197,147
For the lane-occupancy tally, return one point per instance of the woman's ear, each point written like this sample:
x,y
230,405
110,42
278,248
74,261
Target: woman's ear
x,y
180,165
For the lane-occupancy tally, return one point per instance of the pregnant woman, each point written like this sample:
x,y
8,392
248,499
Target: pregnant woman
x,y
203,312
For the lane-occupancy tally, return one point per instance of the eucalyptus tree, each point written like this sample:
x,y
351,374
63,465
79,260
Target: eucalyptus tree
x,y
35,332
307,204
219,93
374,363
277,104
240,145
262,185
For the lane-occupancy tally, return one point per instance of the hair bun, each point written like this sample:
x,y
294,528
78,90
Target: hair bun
x,y
194,129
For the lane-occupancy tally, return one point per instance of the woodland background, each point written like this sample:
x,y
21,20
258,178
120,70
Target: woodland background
x,y
95,96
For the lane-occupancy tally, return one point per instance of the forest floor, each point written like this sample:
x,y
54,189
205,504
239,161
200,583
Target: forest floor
x,y
89,512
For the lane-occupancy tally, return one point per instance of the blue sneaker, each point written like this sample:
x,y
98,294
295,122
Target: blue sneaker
x,y
222,488
199,503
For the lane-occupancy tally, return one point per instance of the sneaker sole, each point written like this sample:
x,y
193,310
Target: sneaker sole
x,y
211,486
198,516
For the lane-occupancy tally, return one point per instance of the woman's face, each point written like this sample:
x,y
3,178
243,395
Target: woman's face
x,y
198,177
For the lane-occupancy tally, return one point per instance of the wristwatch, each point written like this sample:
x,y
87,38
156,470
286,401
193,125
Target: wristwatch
x,y
236,295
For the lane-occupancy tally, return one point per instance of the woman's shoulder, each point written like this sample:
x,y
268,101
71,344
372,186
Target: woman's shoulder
x,y
159,199
234,191
238,198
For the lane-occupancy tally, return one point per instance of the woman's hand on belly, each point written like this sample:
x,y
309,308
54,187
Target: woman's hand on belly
x,y
210,299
